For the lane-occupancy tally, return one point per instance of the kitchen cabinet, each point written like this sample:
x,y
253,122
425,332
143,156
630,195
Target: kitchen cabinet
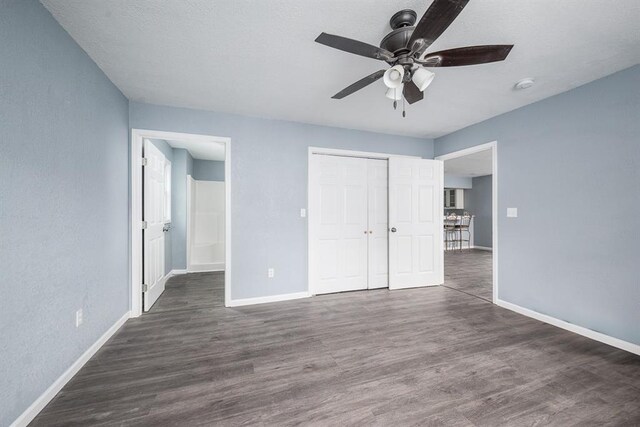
x,y
454,198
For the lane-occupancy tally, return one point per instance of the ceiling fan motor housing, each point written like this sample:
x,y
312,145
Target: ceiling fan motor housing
x,y
402,24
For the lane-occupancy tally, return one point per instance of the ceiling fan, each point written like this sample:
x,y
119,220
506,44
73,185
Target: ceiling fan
x,y
404,50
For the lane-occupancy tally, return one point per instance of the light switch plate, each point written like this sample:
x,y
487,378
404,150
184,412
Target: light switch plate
x,y
303,213
512,212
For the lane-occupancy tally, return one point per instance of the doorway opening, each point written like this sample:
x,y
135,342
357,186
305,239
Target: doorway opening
x,y
470,221
180,218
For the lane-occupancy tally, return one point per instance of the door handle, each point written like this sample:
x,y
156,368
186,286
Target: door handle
x,y
393,229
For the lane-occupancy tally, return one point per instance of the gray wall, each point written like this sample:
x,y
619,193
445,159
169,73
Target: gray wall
x,y
269,180
63,203
454,181
181,167
477,202
208,170
571,165
167,150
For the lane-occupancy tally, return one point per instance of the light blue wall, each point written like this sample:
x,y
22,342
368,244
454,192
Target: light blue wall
x,y
269,181
63,203
454,181
208,170
167,150
181,167
477,202
571,165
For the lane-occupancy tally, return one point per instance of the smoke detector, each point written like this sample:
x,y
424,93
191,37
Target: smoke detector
x,y
524,84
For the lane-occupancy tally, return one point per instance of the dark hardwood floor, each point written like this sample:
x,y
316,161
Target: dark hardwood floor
x,y
431,356
469,271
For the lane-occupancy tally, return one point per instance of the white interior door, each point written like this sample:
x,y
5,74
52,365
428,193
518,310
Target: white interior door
x,y
378,207
338,210
416,188
154,181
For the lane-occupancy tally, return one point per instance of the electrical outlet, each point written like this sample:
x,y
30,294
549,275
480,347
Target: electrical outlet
x,y
512,212
303,213
78,318
270,273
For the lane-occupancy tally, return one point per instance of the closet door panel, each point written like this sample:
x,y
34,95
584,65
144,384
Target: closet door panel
x,y
378,224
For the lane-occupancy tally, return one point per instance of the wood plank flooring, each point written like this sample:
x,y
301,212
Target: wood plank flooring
x,y
433,356
469,271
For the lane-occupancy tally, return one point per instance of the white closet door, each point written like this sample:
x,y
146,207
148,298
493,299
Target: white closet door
x,y
416,256
378,224
338,210
154,181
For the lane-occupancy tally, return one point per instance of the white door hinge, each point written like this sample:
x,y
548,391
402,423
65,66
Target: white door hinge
x,y
144,225
145,287
144,161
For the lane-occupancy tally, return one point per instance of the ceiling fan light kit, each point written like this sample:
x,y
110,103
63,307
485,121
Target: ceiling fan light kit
x,y
404,50
394,94
394,76
422,78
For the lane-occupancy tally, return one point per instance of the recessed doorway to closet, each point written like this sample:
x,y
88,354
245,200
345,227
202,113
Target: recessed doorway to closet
x,y
374,221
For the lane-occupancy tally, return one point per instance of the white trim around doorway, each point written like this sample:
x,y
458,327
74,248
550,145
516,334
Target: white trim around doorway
x,y
493,146
135,220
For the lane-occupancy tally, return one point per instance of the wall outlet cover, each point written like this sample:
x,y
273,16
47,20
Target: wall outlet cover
x,y
271,273
512,212
303,213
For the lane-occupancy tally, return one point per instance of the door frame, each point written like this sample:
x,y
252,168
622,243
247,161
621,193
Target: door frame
x,y
311,230
493,146
135,191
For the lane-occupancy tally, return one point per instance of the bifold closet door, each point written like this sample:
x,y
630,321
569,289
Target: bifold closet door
x,y
338,210
378,208
416,256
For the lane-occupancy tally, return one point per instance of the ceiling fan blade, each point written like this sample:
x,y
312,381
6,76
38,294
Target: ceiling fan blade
x,y
411,92
359,84
469,55
354,46
435,20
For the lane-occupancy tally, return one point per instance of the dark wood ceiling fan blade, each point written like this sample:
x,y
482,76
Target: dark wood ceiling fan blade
x,y
411,92
354,46
469,55
435,20
359,85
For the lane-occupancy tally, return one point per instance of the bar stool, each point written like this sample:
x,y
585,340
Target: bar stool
x,y
450,231
463,227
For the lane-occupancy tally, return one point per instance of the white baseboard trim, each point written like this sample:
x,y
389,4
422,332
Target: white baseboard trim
x,y
46,397
580,330
175,272
482,248
203,268
271,298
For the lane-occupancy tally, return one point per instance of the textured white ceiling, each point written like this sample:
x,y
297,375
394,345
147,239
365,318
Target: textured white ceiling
x,y
259,58
472,165
201,150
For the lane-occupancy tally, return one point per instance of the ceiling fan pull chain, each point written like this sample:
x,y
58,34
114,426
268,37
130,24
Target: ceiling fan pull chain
x,y
404,114
395,102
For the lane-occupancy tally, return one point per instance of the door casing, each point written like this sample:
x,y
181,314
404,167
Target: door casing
x,y
135,219
493,146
